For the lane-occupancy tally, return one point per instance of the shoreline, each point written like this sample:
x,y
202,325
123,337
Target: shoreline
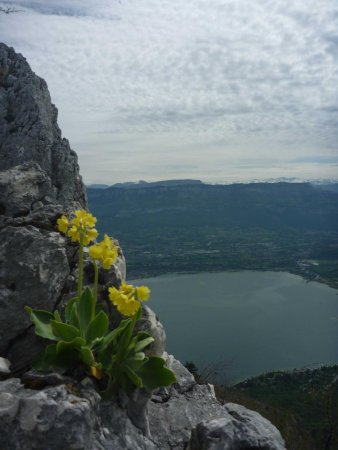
x,y
308,277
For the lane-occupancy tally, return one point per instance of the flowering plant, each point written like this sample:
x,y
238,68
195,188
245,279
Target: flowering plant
x,y
82,337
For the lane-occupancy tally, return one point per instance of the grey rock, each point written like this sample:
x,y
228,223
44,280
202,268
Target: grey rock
x,y
136,406
65,417
29,130
239,429
185,379
184,405
5,365
191,417
22,187
33,271
72,416
151,324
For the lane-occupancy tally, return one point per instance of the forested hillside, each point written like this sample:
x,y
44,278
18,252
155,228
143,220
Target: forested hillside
x,y
197,227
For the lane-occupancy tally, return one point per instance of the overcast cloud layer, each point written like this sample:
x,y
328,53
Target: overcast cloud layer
x,y
220,90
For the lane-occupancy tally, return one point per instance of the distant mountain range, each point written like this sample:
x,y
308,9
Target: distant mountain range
x,y
145,184
329,184
186,225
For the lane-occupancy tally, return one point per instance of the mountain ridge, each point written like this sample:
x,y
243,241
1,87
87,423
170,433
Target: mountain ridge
x,y
258,226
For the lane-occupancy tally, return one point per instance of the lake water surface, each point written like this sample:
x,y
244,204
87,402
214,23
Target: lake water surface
x,y
250,322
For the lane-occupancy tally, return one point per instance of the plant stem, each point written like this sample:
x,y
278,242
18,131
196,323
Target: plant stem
x,y
79,281
96,281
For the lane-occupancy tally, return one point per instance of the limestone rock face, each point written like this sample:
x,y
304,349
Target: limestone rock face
x,y
29,129
23,188
239,428
72,416
64,417
39,180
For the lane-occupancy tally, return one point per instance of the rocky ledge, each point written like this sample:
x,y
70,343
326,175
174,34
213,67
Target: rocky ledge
x,y
72,416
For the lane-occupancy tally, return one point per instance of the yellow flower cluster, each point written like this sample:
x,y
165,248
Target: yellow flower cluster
x,y
106,252
127,299
81,225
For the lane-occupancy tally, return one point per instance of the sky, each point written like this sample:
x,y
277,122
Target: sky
x,y
217,90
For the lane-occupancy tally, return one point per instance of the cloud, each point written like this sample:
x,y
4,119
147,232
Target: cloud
x,y
213,81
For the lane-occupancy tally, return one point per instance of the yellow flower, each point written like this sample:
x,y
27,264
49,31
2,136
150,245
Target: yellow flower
x,y
74,234
107,241
128,298
107,263
83,219
90,235
105,251
143,293
125,305
63,224
126,288
129,307
82,225
95,251
114,295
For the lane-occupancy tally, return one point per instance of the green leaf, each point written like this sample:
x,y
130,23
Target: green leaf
x,y
67,354
133,377
138,356
86,310
68,309
143,344
96,344
97,328
76,343
57,316
142,335
50,356
125,343
132,344
154,374
65,331
41,320
39,361
74,316
87,356
138,314
54,359
106,355
114,334
136,361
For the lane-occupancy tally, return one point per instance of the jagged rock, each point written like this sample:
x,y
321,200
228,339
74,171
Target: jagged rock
x,y
239,429
72,416
185,379
65,417
29,129
152,325
22,187
189,406
35,268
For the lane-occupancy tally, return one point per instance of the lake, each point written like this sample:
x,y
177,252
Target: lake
x,y
245,323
